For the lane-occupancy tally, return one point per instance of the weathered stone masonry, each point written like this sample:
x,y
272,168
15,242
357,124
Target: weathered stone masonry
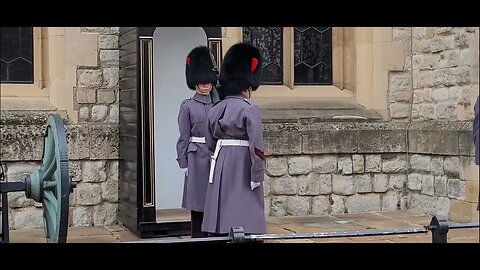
x,y
321,168
92,143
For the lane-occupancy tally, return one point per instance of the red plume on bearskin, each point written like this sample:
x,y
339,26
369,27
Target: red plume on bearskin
x,y
241,69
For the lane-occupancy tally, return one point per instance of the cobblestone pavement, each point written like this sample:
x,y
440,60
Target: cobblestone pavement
x,y
308,224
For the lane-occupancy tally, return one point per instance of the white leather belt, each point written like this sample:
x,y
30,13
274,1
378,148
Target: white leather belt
x,y
197,139
220,144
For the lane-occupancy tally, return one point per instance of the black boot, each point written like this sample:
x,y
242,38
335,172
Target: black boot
x,y
197,219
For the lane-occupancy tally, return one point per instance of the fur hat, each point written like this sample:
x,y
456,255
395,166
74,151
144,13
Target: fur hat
x,y
241,69
199,67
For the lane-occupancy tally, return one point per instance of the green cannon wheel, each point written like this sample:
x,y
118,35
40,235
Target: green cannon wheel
x,y
51,184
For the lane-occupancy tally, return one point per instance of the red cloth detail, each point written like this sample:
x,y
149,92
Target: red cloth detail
x,y
254,64
259,153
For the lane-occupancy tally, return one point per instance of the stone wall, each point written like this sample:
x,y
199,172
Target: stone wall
x,y
341,167
440,74
420,160
92,143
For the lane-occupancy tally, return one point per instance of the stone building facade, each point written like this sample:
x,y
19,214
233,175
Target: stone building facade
x,y
419,157
80,75
414,152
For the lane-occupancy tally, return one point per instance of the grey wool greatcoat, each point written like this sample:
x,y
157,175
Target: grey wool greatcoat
x,y
230,200
194,156
476,138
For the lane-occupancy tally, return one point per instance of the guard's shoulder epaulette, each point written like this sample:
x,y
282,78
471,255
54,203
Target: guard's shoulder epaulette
x,y
185,100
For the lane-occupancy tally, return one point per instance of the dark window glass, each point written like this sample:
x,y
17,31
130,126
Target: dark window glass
x,y
313,55
16,54
269,40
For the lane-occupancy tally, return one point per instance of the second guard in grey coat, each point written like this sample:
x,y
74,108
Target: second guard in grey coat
x,y
192,119
476,138
235,193
193,155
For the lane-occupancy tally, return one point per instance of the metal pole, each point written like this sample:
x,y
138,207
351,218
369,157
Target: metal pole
x,y
6,187
336,234
464,225
438,226
4,230
183,241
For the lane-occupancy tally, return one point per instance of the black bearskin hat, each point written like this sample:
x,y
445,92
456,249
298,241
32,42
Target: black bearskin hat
x,y
199,67
241,69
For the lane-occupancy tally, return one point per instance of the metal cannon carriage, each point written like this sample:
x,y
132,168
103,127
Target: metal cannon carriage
x,y
50,185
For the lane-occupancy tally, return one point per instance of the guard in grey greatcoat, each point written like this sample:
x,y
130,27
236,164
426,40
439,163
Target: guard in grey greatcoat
x,y
476,138
235,135
193,155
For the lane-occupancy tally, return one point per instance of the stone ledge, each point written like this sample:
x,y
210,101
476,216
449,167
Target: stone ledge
x,y
302,136
27,111
315,109
280,115
18,117
26,104
25,142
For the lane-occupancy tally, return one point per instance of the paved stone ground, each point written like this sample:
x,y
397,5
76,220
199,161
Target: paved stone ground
x,y
308,224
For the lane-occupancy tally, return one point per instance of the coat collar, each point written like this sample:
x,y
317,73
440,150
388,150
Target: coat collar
x,y
203,99
238,97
